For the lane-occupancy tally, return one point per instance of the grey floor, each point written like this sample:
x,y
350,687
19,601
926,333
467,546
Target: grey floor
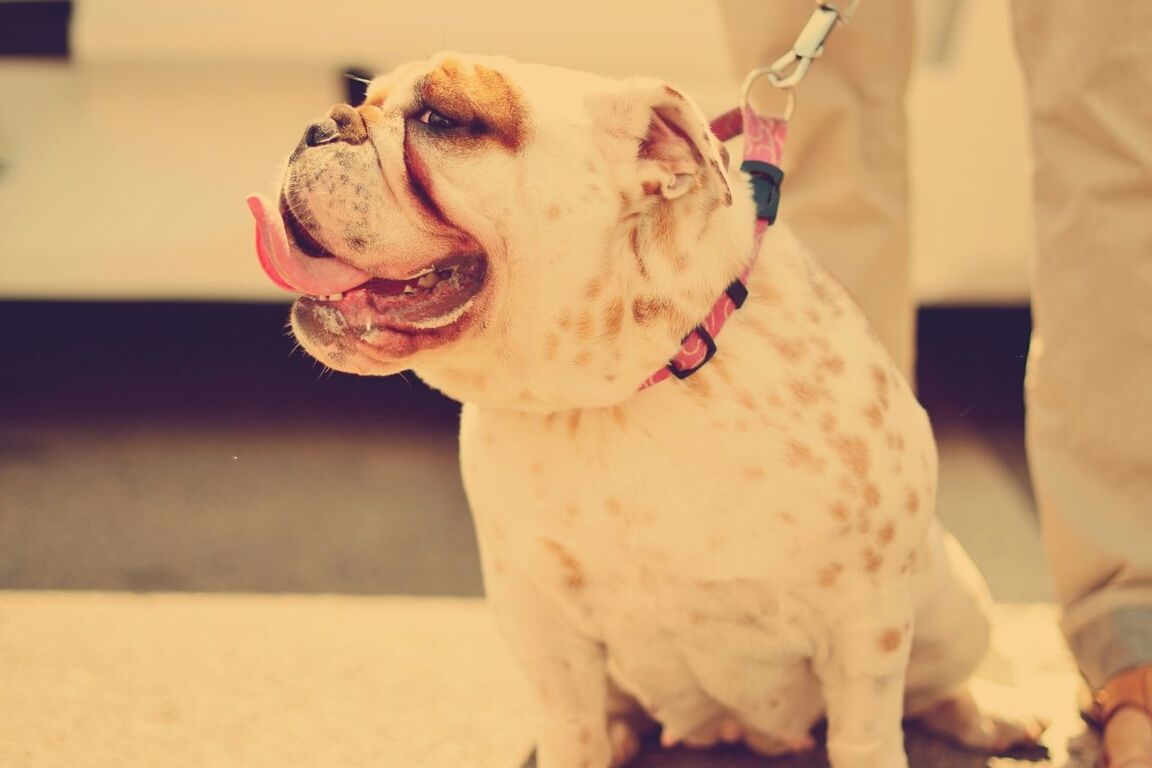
x,y
186,448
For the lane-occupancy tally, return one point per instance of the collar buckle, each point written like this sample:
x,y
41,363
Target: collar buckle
x,y
709,351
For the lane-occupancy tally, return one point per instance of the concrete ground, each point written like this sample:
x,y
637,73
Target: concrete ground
x,y
213,555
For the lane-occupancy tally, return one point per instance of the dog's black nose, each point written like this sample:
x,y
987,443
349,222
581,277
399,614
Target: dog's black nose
x,y
321,132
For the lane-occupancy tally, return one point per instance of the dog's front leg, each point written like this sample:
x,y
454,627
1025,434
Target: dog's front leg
x,y
863,681
566,672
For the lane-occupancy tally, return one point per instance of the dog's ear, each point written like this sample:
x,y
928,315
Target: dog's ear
x,y
678,152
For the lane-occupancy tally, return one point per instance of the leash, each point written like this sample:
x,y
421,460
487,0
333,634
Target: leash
x,y
764,137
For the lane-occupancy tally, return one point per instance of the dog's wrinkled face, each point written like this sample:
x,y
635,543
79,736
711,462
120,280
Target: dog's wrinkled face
x,y
520,235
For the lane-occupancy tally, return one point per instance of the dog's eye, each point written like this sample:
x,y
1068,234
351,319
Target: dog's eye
x,y
434,119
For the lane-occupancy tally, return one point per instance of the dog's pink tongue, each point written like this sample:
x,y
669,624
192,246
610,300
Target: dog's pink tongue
x,y
291,269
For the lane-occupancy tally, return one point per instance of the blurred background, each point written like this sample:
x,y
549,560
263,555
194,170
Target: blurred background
x,y
158,433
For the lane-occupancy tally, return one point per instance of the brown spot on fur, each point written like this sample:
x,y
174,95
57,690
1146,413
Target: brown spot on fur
x,y
754,473
745,398
829,575
699,386
839,510
880,378
832,364
911,502
480,99
573,573
800,456
592,290
872,560
634,243
805,392
619,415
854,453
871,496
585,328
886,533
573,423
874,416
614,318
551,343
828,423
583,358
890,639
553,211
645,310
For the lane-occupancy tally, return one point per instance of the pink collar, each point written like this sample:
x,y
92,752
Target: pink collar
x,y
763,144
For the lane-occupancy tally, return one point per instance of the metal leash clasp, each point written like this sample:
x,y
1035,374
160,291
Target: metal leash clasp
x,y
788,70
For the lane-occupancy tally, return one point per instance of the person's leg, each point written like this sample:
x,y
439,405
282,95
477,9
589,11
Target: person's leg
x,y
845,190
1088,67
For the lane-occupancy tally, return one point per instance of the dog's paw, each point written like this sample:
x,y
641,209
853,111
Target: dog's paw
x,y
774,746
720,729
728,729
992,728
624,740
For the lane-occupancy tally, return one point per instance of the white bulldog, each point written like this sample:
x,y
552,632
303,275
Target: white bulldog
x,y
732,556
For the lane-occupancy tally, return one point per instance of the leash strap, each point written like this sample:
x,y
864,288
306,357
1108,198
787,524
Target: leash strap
x,y
763,145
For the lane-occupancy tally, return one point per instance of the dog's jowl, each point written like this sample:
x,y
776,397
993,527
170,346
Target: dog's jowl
x,y
726,557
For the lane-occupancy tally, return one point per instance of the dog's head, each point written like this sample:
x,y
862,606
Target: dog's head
x,y
518,234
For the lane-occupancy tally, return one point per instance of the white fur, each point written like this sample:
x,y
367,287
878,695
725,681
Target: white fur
x,y
740,553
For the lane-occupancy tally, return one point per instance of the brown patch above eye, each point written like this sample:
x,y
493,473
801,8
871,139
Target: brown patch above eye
x,y
478,95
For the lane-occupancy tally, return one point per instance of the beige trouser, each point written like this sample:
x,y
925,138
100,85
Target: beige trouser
x,y
1088,66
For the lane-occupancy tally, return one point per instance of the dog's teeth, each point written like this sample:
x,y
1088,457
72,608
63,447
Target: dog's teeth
x,y
428,280
409,289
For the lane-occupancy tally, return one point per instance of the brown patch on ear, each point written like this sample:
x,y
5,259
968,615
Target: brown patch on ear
x,y
478,97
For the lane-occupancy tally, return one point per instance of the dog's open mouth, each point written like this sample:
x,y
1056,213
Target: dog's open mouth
x,y
347,299
435,298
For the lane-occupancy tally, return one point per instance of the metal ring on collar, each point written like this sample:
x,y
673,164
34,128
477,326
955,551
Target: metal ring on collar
x,y
773,78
